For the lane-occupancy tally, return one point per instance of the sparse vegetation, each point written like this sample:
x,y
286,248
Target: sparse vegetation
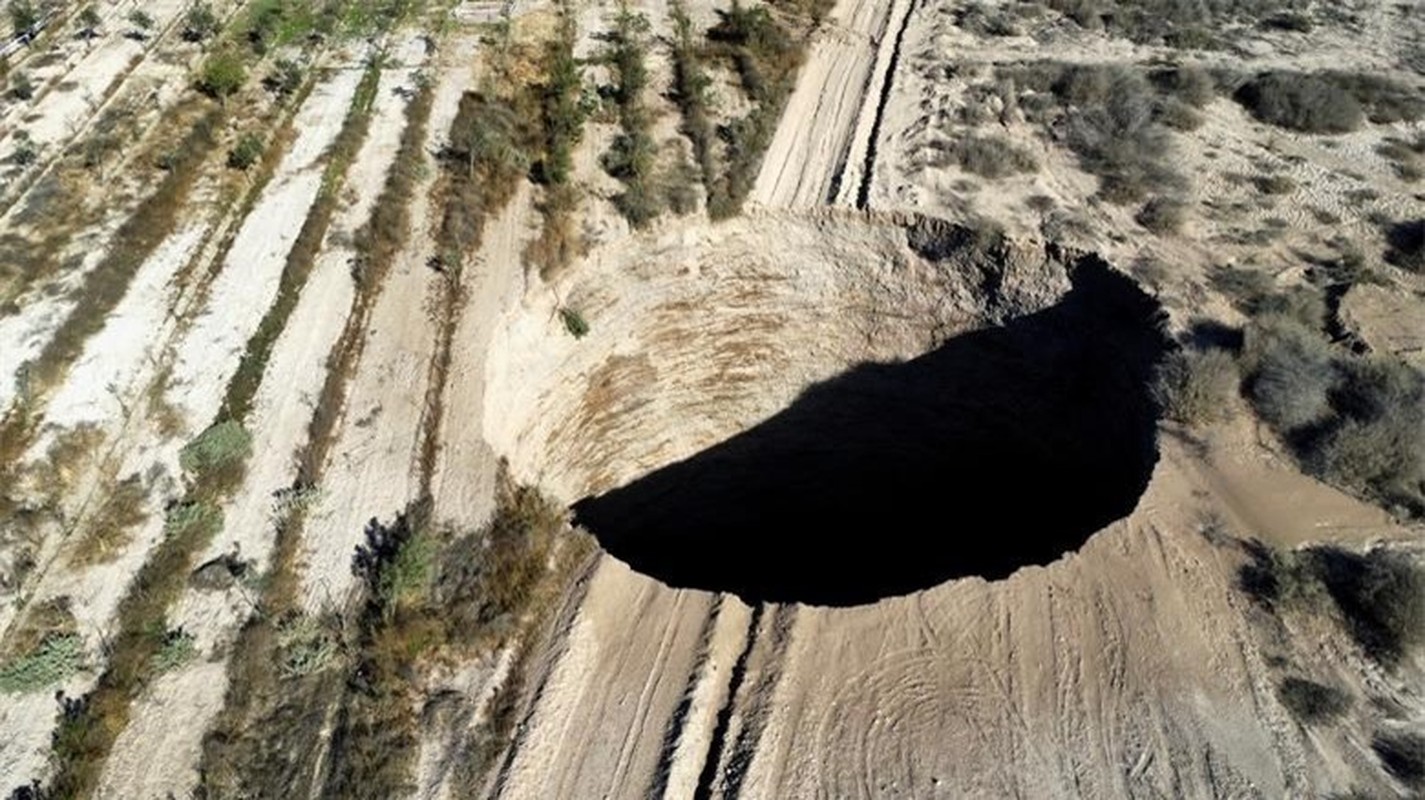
x,y
562,115
1194,387
89,22
987,156
113,524
633,155
1403,755
1311,702
1114,118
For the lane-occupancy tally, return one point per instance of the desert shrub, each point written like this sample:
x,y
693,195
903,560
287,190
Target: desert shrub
x,y
1302,102
188,519
200,23
1355,421
24,16
574,323
1378,596
220,447
1290,373
56,658
1274,184
1383,100
1162,215
26,152
179,647
1194,387
1406,245
285,79
246,152
222,75
304,646
563,108
21,87
1402,755
89,22
142,21
1311,702
1186,82
1113,127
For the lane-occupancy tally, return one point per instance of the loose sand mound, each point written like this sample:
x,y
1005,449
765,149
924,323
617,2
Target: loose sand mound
x,y
772,394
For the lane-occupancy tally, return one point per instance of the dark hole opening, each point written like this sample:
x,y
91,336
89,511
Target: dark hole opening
x,y
1002,448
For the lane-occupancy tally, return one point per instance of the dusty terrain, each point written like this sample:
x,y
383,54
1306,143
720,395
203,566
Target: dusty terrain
x,y
802,433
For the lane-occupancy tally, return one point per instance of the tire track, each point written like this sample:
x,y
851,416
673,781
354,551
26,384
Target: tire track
x,y
863,192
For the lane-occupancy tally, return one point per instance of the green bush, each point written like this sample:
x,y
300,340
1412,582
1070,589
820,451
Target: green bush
x,y
187,519
222,75
200,23
1311,702
56,658
24,16
246,152
574,323
285,79
179,647
219,447
89,22
141,20
1402,755
1194,387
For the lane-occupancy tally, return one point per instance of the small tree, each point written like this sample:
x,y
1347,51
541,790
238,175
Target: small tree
x,y
89,22
222,75
142,22
24,16
21,87
246,152
200,23
285,79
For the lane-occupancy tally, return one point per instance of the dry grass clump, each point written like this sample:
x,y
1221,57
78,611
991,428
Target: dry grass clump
x,y
112,526
987,156
1378,596
1195,387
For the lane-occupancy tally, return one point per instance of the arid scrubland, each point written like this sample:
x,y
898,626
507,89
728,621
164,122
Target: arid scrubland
x,y
712,398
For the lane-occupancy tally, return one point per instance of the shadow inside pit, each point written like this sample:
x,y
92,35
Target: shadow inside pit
x,y
1002,448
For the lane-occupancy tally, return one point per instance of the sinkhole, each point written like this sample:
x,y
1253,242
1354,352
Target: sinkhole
x,y
1005,443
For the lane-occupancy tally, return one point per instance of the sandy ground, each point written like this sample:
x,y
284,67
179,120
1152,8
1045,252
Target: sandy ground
x,y
281,413
207,353
371,472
